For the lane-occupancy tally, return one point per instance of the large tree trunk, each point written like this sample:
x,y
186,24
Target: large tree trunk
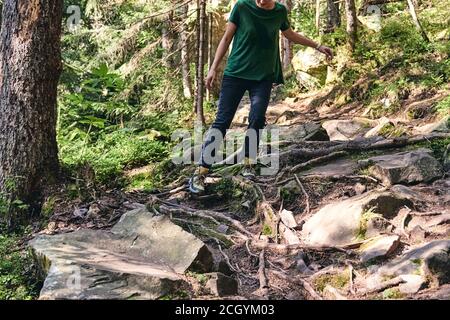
x,y
185,61
30,66
412,11
350,10
201,59
333,16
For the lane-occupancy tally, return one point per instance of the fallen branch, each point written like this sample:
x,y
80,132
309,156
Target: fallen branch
x,y
263,286
304,192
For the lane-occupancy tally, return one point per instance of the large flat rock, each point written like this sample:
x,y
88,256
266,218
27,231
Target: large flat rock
x,y
143,256
431,258
405,167
343,222
338,168
344,130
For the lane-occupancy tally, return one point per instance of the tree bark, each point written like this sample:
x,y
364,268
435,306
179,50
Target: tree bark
x,y
412,11
201,60
318,16
168,42
286,45
30,67
333,16
185,61
350,10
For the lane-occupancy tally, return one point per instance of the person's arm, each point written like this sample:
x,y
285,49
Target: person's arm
x,y
220,53
297,38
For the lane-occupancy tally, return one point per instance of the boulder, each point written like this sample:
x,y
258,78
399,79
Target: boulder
x,y
337,168
310,62
344,130
432,259
405,167
297,132
442,125
221,285
379,247
413,283
141,257
346,221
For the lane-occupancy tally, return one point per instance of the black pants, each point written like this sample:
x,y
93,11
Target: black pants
x,y
232,91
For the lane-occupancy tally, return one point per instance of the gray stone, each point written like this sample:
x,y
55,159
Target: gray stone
x,y
431,258
379,247
338,168
141,257
221,285
441,219
344,130
341,222
289,236
413,283
222,228
405,167
310,62
300,132
439,126
447,159
287,217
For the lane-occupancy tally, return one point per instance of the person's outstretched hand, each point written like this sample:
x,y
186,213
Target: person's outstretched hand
x,y
209,81
326,51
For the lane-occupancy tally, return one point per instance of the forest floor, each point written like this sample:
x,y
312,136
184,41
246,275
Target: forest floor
x,y
358,209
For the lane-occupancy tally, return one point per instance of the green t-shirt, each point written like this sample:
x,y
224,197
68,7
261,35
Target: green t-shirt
x,y
256,54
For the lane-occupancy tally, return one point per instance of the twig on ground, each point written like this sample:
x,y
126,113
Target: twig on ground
x,y
304,192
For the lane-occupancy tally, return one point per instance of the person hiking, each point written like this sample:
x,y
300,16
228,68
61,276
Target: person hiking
x,y
254,65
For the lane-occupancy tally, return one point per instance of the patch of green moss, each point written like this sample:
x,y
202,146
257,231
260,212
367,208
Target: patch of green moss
x,y
267,230
338,281
392,293
367,215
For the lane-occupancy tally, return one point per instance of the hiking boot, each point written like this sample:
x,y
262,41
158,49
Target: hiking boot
x,y
249,171
197,181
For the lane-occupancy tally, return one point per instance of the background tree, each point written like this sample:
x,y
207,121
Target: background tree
x,y
201,46
30,67
333,15
352,23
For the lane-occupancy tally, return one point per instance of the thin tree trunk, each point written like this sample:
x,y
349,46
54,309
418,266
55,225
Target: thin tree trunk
x,y
286,45
210,51
350,10
168,42
201,60
185,61
412,11
318,16
333,16
30,67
